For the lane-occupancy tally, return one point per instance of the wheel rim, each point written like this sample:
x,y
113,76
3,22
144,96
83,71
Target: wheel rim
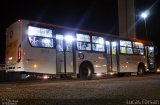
x,y
85,72
89,72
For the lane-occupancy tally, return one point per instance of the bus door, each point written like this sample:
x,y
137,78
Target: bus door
x,y
68,45
64,54
109,57
114,56
150,57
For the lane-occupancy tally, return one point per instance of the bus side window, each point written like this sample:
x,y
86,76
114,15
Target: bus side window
x,y
59,45
68,46
114,45
59,42
83,42
108,47
126,47
113,50
138,48
84,45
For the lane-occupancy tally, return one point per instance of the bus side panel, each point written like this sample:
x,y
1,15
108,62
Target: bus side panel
x,y
129,63
39,60
97,59
60,62
69,62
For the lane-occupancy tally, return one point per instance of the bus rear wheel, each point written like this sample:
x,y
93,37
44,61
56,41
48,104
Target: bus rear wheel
x,y
86,71
141,70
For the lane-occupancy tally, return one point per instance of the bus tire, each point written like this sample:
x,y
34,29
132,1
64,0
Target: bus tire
x,y
86,71
141,70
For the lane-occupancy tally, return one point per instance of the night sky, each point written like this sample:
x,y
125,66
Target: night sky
x,y
95,15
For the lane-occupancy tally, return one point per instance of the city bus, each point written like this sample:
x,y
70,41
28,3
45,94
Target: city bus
x,y
42,49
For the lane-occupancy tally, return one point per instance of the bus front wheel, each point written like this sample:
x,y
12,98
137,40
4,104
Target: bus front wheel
x,y
86,71
141,70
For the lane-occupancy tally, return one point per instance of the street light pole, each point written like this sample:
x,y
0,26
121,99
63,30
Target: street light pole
x,y
146,28
144,15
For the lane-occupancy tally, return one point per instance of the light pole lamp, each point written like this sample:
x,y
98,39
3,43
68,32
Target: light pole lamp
x,y
144,15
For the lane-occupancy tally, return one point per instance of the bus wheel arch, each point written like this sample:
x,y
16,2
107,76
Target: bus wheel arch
x,y
86,70
141,69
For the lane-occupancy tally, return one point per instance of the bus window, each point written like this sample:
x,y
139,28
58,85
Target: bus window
x,y
141,52
69,39
83,46
59,42
151,51
40,37
97,39
151,56
41,42
98,43
108,47
138,48
98,47
138,45
83,42
114,47
42,32
83,38
129,51
123,50
126,47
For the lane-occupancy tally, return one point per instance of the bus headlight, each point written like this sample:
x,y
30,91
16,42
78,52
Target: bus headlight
x,y
45,77
99,74
158,70
111,73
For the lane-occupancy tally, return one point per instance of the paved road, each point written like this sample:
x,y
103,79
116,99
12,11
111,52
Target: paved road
x,y
111,91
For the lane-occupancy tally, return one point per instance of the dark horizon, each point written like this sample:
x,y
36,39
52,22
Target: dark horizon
x,y
94,15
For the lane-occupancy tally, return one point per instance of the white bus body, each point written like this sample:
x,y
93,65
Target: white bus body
x,y
49,49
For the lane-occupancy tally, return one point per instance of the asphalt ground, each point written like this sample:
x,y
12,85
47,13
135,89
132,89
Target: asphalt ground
x,y
128,90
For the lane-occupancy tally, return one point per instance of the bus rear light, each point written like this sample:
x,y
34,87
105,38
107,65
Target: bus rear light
x,y
10,58
19,53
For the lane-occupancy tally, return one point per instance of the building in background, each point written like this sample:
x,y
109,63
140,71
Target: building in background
x,y
126,15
